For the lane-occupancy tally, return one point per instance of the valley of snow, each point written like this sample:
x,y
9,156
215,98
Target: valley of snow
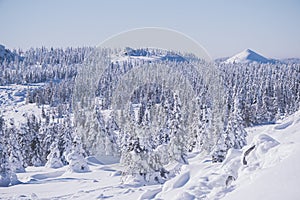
x,y
271,172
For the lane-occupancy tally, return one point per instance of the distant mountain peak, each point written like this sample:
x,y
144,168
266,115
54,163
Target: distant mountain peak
x,y
248,56
249,51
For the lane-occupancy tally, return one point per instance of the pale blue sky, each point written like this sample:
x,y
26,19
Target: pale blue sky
x,y
223,27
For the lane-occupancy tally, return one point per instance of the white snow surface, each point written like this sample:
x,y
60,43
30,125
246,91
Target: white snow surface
x,y
272,172
248,56
13,102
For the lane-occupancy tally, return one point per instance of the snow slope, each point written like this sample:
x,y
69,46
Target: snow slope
x,y
13,102
269,171
6,54
248,56
274,171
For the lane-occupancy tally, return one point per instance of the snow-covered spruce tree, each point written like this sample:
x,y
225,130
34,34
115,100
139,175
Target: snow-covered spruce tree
x,y
134,159
24,141
65,138
93,136
269,104
240,133
199,139
50,134
58,131
111,146
234,135
54,157
7,175
76,160
14,148
177,146
100,136
220,149
226,139
163,123
157,140
194,127
32,142
142,163
161,136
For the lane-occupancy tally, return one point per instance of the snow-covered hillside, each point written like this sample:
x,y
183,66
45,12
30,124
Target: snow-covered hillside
x,y
148,55
273,166
267,168
6,54
290,60
13,102
248,56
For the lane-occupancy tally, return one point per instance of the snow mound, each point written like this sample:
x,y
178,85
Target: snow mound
x,y
8,179
264,143
248,56
267,168
149,194
273,164
185,196
283,125
48,175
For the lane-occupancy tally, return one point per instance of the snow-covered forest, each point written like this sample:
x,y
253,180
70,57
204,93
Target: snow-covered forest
x,y
148,109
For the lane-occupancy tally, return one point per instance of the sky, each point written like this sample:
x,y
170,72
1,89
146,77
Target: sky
x,y
222,27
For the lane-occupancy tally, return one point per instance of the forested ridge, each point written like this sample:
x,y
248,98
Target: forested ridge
x,y
156,128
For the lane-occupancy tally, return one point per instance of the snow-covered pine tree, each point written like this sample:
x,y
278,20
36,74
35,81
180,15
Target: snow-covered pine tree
x,y
201,127
14,148
30,142
54,157
7,174
132,153
177,146
269,104
65,138
33,131
141,163
220,149
77,162
111,139
240,133
234,135
50,134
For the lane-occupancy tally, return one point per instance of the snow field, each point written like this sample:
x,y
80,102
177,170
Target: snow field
x,y
272,172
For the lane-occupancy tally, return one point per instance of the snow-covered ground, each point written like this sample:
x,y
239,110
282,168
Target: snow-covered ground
x,y
269,171
13,102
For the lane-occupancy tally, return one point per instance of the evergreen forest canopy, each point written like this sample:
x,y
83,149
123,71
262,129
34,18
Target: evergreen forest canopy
x,y
147,107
